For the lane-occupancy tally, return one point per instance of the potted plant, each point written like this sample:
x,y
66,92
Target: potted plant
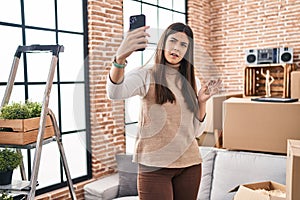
x,y
9,160
19,123
5,196
21,110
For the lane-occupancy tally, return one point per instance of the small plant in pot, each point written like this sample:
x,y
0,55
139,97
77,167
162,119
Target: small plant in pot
x,y
10,159
19,123
5,196
21,110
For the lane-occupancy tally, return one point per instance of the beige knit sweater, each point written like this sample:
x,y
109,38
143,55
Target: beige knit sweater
x,y
167,133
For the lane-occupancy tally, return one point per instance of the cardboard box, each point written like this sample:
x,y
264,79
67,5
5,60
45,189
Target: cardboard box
x,y
293,170
295,84
260,126
268,190
214,109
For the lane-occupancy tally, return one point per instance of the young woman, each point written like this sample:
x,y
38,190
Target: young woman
x,y
172,112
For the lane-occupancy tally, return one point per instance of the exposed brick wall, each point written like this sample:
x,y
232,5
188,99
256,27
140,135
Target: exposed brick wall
x,y
228,27
105,25
223,30
199,18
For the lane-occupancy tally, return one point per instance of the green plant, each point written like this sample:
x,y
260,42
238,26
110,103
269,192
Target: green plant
x,y
9,159
5,196
21,110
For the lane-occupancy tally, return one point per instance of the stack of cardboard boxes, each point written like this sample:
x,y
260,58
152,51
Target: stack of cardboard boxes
x,y
271,127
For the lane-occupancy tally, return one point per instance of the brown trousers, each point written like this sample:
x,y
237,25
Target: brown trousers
x,y
169,183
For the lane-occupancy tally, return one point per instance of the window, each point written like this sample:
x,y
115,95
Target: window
x,y
47,22
159,15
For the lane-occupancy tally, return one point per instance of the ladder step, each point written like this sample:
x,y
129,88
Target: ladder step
x,y
36,48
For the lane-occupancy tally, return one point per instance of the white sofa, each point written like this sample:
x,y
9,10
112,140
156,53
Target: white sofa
x,y
222,170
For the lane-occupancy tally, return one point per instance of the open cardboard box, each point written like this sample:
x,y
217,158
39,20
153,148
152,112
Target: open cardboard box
x,y
268,190
293,170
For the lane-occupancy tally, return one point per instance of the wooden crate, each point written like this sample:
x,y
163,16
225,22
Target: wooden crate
x,y
23,131
254,82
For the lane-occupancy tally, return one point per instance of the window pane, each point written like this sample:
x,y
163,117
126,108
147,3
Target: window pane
x,y
151,1
78,109
72,102
17,94
10,39
166,15
130,8
71,61
10,11
70,19
178,17
179,5
39,13
165,3
151,15
75,149
39,17
38,66
36,94
154,36
40,37
49,171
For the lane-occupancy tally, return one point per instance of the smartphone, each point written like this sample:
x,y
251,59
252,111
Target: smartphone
x,y
136,21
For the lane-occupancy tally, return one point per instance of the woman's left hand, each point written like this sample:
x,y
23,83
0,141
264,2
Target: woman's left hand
x,y
209,89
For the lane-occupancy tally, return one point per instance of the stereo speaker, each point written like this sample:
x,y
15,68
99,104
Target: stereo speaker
x,y
295,84
286,55
251,56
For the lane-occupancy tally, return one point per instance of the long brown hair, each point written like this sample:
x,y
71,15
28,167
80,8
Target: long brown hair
x,y
186,69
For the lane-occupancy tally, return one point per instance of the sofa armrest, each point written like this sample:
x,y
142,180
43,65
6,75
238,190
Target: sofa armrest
x,y
102,189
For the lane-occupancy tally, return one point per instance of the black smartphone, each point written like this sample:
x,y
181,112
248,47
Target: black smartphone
x,y
136,21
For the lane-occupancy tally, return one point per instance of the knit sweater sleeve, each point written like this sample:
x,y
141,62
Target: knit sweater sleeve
x,y
199,125
136,82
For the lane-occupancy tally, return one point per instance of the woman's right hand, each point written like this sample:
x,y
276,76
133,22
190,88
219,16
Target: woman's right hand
x,y
133,40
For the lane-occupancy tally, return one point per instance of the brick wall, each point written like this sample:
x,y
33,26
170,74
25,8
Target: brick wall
x,y
223,30
228,27
105,25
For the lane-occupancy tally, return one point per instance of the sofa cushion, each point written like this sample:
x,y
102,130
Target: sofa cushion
x,y
208,156
127,175
232,168
102,189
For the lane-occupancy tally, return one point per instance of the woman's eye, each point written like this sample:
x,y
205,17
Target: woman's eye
x,y
184,45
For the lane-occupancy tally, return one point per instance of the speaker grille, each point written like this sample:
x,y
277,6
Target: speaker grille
x,y
286,57
251,58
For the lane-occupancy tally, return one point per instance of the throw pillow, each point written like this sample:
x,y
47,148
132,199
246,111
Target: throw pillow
x,y
127,175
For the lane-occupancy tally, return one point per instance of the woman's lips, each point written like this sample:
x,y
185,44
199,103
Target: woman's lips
x,y
174,55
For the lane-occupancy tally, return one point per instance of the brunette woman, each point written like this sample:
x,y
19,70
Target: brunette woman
x,y
173,110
